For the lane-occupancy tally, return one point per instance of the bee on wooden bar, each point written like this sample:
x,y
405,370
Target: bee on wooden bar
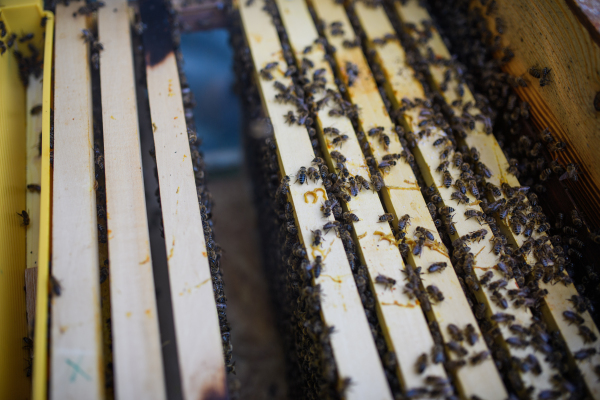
x,y
455,332
471,335
447,179
461,198
55,286
584,353
290,118
457,348
362,182
385,280
571,173
387,217
421,363
34,188
377,182
331,225
301,175
435,293
471,283
443,167
480,357
425,232
545,79
284,186
25,218
317,238
573,318
502,317
10,41
339,140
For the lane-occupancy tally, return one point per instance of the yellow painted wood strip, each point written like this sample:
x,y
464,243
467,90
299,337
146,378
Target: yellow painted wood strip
x,y
376,242
556,302
402,196
199,343
391,60
76,333
352,343
135,334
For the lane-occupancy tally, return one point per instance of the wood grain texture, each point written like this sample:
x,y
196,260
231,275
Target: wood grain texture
x,y
138,370
402,195
547,34
76,333
199,344
556,302
395,308
340,304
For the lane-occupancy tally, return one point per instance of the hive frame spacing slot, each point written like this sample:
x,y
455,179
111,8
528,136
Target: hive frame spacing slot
x,y
557,299
340,304
375,240
76,333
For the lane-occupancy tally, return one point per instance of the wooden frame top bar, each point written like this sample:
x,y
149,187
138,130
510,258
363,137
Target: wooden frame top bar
x,y
135,334
199,343
76,332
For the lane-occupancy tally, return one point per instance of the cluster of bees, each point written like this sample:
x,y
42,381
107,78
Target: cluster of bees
x,y
28,65
517,206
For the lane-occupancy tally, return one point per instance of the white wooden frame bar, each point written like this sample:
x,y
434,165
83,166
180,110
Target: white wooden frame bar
x,y
137,353
556,302
76,362
396,309
352,343
402,196
199,343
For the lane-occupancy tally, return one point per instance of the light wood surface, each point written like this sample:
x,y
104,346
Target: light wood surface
x,y
396,309
34,167
547,33
402,196
556,302
340,303
76,334
137,358
197,328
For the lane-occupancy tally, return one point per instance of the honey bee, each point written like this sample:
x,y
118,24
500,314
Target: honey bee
x,y
317,266
34,188
471,334
403,222
457,348
455,332
55,286
385,280
493,189
447,179
572,317
480,357
437,267
25,218
584,353
362,182
317,238
502,317
339,140
545,79
461,198
290,118
331,225
435,293
387,217
587,334
443,167
571,173
350,217
421,363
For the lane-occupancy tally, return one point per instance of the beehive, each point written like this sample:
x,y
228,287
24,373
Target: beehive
x,y
411,162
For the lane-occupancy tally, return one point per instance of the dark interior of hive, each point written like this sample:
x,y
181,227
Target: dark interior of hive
x,y
534,306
